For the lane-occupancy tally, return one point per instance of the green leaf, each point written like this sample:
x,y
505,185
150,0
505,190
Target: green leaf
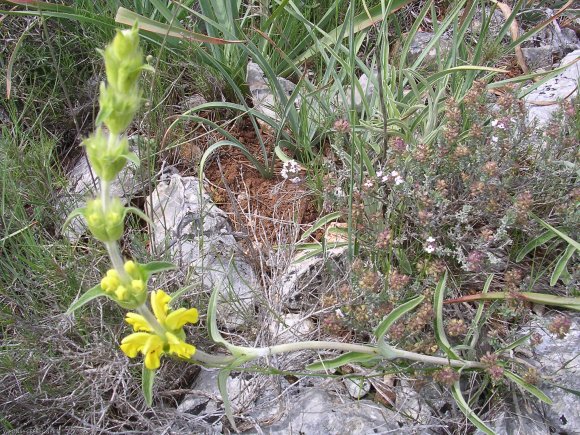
x,y
222,380
572,303
440,335
341,360
125,16
560,271
158,266
133,158
321,222
139,213
533,244
515,344
528,387
560,234
147,381
396,314
467,411
73,214
361,22
91,294
404,261
214,332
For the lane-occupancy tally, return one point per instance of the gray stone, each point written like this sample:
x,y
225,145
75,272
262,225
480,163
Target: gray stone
x,y
496,22
291,327
559,362
543,101
410,404
197,234
316,412
357,387
264,99
538,57
419,45
304,279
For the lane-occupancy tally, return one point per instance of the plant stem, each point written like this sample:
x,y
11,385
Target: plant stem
x,y
117,260
428,359
105,194
314,345
151,319
389,353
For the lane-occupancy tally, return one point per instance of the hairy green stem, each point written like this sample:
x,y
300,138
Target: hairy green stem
x,y
388,353
428,359
151,319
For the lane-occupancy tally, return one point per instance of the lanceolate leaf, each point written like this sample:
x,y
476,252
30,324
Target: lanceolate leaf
x,y
346,358
396,314
528,387
158,266
469,413
147,381
91,294
560,234
533,244
536,298
560,271
222,380
440,335
125,16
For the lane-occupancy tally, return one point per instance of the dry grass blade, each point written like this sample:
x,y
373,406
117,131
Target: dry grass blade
x,y
514,32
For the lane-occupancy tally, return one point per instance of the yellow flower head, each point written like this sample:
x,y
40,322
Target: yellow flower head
x,y
167,337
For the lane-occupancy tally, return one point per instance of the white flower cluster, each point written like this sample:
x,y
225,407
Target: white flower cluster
x,y
393,176
291,171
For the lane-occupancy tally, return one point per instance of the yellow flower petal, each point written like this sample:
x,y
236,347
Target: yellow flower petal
x,y
159,302
153,350
134,343
153,360
179,347
180,317
138,322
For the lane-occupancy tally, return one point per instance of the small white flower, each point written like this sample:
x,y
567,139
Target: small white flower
x,y
430,239
368,184
494,139
379,174
385,178
394,174
339,313
399,180
430,249
291,171
494,122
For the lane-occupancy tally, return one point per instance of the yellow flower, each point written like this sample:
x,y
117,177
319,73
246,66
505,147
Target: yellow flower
x,y
152,342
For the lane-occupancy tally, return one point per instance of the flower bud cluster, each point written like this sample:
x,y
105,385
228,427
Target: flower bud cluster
x,y
120,98
106,224
131,290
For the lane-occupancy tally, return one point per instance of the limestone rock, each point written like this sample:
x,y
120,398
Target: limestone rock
x,y
197,234
543,101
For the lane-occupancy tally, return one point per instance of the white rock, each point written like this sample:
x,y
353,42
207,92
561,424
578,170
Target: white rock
x,y
197,234
357,387
291,327
543,101
305,277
